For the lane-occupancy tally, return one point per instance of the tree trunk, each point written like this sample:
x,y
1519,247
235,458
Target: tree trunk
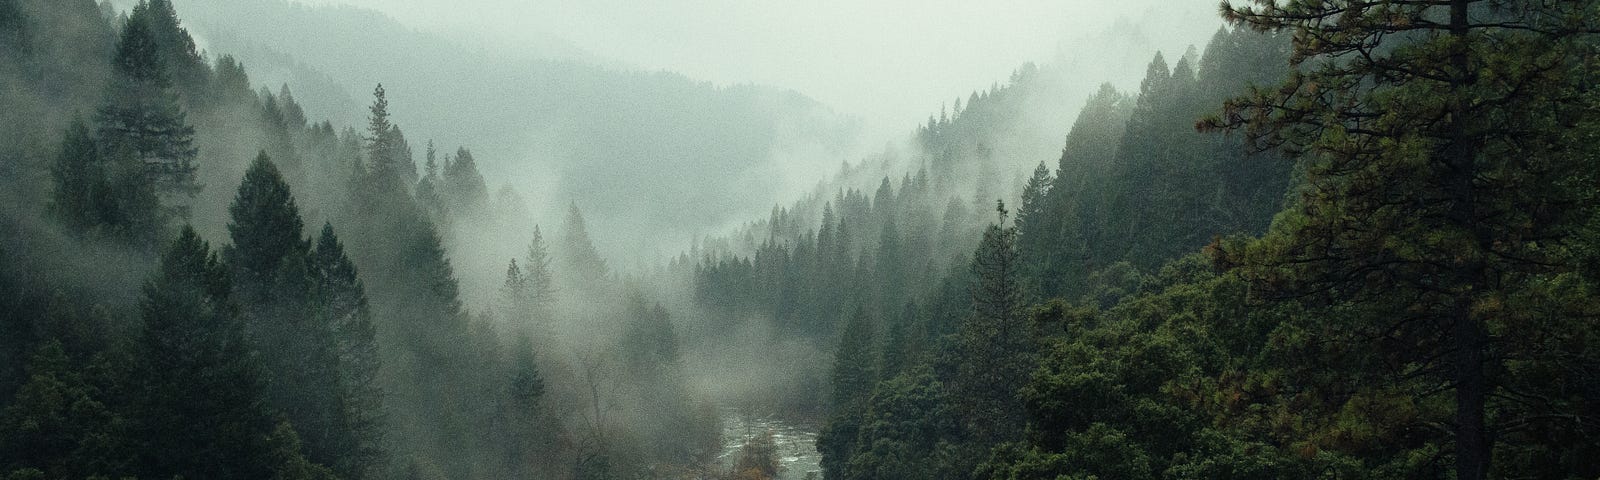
x,y
1473,451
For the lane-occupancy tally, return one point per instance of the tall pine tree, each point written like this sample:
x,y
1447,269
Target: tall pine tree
x,y
1444,182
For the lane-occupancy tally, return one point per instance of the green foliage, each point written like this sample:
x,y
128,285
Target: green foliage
x,y
197,371
144,133
82,198
1441,185
993,349
59,423
910,430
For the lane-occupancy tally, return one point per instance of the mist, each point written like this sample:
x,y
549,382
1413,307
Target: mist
x,y
722,240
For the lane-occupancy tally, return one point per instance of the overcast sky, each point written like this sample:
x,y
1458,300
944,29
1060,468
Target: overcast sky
x,y
890,62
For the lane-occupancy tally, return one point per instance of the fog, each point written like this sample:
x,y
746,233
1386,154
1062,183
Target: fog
x,y
752,103
890,62
718,197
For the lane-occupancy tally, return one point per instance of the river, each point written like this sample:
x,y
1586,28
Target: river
x,y
796,443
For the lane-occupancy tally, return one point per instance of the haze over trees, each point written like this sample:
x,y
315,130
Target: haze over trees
x,y
1342,239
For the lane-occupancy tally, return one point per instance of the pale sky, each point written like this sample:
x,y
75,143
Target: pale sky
x,y
889,62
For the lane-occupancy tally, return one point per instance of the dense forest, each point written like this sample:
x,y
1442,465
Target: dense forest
x,y
1342,239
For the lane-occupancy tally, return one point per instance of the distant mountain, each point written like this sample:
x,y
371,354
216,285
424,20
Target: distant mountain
x,y
638,151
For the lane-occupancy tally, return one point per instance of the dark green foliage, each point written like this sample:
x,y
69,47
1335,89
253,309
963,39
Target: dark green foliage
x,y
82,198
266,231
852,376
144,134
198,372
1442,183
305,316
529,430
910,430
176,51
342,306
59,423
993,347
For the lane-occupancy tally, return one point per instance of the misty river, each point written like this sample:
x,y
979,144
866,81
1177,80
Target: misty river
x,y
796,443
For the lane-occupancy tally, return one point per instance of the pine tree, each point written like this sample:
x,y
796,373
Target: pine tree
x,y
142,129
266,231
541,285
59,423
992,346
1036,227
80,198
177,51
464,190
514,297
294,117
380,182
528,434
1443,170
275,283
577,254
852,377
341,302
198,411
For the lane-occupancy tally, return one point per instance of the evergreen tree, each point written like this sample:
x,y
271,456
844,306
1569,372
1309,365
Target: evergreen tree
x,y
854,368
341,302
541,285
81,195
198,411
515,301
852,376
380,183
577,254
59,423
294,117
992,347
528,435
1036,227
464,190
266,230
275,284
1442,179
142,129
176,49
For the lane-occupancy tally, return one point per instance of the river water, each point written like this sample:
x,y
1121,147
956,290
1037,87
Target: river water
x,y
796,443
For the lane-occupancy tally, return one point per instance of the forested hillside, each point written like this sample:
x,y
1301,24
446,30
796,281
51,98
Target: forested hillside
x,y
554,129
1342,239
320,333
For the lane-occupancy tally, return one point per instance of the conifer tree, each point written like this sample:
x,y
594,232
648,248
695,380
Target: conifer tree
x,y
59,423
143,131
380,182
1036,227
341,302
992,346
275,283
852,377
541,284
514,298
81,194
528,435
1442,178
177,50
199,412
464,191
577,254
